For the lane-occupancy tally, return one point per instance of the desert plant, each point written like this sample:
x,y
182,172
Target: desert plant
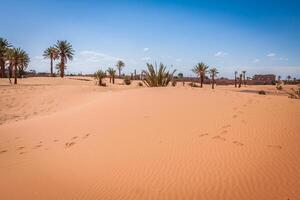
x,y
279,86
120,64
18,59
112,73
192,84
127,81
213,73
200,70
174,82
65,52
262,92
240,80
99,75
295,93
244,77
157,78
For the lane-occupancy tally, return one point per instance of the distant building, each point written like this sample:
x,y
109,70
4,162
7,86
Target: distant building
x,y
264,79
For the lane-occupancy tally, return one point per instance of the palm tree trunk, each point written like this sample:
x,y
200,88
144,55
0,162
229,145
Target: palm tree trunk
x,y
235,80
15,74
51,66
113,79
10,70
100,82
240,81
201,80
2,67
213,83
119,73
62,67
109,79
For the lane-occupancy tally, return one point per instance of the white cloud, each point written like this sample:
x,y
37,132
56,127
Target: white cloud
x,y
256,60
146,49
285,59
92,56
146,59
271,55
221,54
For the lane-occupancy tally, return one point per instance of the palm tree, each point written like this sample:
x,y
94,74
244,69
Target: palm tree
x,y
112,73
235,79
18,58
157,78
244,77
240,80
279,78
288,78
52,54
120,64
9,59
99,75
4,45
180,76
24,61
200,69
65,52
213,73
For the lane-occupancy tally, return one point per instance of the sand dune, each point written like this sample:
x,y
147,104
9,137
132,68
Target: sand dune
x,y
75,140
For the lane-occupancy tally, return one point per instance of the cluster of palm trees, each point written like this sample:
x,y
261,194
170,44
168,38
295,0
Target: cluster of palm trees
x,y
241,79
100,74
15,59
201,69
62,51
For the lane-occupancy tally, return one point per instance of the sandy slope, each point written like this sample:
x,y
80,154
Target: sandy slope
x,y
153,143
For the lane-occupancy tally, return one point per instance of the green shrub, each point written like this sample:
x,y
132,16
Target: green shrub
x,y
279,87
157,78
295,94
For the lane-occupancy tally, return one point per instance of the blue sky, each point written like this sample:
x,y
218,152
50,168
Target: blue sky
x,y
256,36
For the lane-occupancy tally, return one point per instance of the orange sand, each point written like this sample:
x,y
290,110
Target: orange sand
x,y
70,139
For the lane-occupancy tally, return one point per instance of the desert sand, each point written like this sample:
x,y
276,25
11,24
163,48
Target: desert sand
x,y
70,139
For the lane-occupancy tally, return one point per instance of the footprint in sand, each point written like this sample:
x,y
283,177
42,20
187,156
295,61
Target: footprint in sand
x,y
3,151
224,132
37,146
85,136
219,138
55,140
74,138
202,135
238,143
275,146
234,116
23,152
20,148
69,144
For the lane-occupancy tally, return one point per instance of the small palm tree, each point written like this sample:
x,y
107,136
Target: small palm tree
x,y
120,64
200,70
52,54
112,73
157,78
180,76
99,75
4,46
240,80
279,78
288,78
235,79
244,77
213,73
9,59
65,52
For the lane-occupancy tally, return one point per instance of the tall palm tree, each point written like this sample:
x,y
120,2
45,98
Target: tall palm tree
x,y
120,64
4,45
200,69
112,73
9,59
235,79
213,73
244,77
52,54
65,52
18,58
